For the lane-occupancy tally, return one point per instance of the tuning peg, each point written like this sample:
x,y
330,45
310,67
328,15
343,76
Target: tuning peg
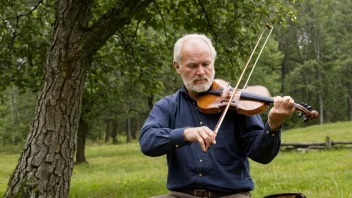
x,y
309,107
305,119
300,114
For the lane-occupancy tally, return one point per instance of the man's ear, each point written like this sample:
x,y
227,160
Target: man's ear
x,y
177,67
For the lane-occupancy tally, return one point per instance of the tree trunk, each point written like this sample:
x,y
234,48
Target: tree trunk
x,y
350,100
114,132
128,130
317,37
14,111
283,74
134,128
321,109
45,166
350,108
150,102
107,130
81,142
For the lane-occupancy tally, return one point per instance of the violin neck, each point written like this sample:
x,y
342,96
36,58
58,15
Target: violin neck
x,y
256,97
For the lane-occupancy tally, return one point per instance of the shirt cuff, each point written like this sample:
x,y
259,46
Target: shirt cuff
x,y
272,133
177,138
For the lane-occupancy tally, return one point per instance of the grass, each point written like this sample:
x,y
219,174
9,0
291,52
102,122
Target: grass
x,y
122,171
118,171
317,133
314,173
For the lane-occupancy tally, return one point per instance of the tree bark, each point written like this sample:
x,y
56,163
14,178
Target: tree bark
x,y
150,102
107,130
81,142
350,101
45,166
83,130
14,111
349,95
134,128
114,132
128,130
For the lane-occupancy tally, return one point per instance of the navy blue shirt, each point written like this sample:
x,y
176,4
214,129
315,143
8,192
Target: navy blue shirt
x,y
225,166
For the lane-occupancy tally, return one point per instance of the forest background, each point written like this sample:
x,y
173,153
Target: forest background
x,y
124,66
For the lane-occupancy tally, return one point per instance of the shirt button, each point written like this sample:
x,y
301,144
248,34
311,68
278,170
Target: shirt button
x,y
200,174
273,135
200,122
267,132
200,160
176,145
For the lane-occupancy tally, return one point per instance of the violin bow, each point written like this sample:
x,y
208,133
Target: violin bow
x,y
261,50
267,26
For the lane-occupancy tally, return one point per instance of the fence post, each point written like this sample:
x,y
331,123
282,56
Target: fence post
x,y
328,144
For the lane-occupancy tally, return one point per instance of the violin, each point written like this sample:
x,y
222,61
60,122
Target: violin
x,y
249,101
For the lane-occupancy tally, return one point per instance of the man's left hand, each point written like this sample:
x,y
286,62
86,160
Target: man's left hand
x,y
283,108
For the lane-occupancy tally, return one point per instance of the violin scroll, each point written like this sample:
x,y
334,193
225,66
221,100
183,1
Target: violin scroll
x,y
304,109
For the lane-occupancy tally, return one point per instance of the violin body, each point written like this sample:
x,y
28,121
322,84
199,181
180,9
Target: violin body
x,y
249,101
212,102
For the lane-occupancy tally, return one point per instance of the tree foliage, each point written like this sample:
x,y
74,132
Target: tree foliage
x,y
314,65
118,57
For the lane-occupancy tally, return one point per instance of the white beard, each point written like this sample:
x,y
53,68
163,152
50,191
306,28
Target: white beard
x,y
199,88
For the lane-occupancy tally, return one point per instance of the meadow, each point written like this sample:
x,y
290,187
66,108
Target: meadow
x,y
117,171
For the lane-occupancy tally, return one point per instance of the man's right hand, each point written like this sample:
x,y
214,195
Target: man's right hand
x,y
203,135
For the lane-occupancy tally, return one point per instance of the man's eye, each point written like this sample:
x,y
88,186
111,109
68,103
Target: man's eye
x,y
191,65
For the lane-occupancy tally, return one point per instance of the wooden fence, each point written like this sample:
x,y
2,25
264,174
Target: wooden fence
x,y
328,144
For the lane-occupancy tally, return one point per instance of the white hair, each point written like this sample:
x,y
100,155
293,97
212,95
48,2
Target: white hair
x,y
179,43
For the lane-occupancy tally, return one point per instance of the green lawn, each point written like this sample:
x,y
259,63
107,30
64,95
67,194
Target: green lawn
x,y
122,171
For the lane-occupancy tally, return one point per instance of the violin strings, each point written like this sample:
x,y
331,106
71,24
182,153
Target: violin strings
x,y
255,63
217,127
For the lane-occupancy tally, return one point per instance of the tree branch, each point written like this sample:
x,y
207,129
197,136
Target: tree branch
x,y
164,24
208,21
25,14
214,33
114,19
127,44
14,34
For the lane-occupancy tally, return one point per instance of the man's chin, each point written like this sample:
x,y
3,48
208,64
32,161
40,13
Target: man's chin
x,y
200,89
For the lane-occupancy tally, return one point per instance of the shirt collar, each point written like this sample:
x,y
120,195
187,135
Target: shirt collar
x,y
185,92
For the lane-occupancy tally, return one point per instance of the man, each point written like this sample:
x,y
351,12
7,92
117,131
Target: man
x,y
216,166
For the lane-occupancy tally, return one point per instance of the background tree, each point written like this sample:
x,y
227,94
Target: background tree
x,y
16,109
45,166
314,65
340,43
126,77
145,68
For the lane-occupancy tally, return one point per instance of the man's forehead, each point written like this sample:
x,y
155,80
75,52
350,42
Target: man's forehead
x,y
195,61
194,42
195,47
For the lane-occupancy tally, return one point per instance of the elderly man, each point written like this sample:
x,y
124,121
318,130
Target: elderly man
x,y
176,127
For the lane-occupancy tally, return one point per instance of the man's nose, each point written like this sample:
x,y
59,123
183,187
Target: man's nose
x,y
200,70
